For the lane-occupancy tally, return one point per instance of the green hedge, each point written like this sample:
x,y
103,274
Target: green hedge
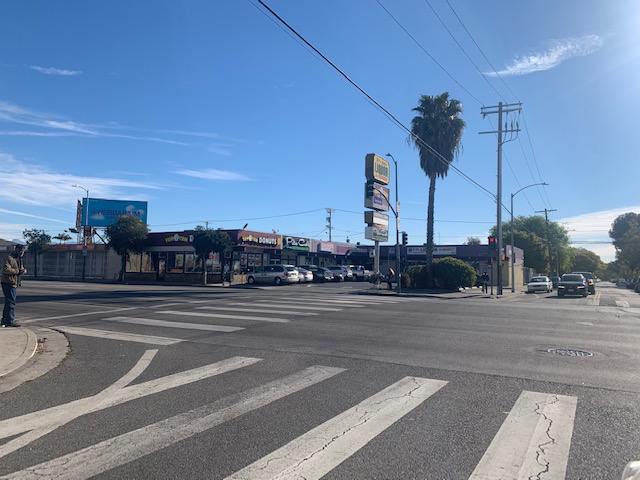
x,y
450,273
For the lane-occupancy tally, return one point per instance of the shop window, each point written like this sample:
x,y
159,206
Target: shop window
x,y
175,262
134,260
149,262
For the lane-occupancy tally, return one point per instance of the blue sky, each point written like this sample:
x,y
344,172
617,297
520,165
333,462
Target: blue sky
x,y
210,111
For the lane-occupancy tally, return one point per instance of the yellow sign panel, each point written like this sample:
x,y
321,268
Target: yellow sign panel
x,y
377,169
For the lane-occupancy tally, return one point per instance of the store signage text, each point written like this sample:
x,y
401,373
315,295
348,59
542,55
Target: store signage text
x,y
377,169
436,250
179,238
295,243
273,241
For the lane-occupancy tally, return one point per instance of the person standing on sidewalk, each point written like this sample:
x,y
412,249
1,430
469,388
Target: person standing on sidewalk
x,y
390,274
12,272
485,282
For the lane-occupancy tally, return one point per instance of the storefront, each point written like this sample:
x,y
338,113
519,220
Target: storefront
x,y
295,250
251,250
331,253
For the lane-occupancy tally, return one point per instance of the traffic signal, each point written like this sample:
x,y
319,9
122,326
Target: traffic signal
x,y
405,238
368,189
493,245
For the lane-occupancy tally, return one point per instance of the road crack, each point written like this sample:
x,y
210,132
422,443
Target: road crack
x,y
541,450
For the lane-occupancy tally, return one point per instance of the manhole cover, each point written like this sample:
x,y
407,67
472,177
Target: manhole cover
x,y
569,352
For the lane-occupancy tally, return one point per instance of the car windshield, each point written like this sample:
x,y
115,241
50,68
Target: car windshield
x,y
586,275
572,278
291,269
538,280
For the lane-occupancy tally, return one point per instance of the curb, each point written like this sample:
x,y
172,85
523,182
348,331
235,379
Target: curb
x,y
27,353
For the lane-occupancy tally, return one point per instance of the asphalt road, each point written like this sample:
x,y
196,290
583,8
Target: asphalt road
x,y
319,382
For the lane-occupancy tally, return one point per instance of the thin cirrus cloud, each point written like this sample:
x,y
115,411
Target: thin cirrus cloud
x,y
33,185
558,52
53,125
212,174
55,71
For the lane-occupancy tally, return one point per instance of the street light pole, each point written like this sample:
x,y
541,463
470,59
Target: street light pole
x,y
513,258
84,232
398,276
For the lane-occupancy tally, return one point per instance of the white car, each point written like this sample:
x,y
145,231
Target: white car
x,y
274,274
304,275
341,270
540,284
359,273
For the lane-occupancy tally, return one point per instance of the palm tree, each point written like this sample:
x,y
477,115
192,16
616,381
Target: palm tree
x,y
438,124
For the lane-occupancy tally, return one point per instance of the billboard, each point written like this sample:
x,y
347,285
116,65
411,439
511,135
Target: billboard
x,y
376,196
376,233
103,213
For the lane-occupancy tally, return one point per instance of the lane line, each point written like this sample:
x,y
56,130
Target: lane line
x,y
317,452
535,438
257,310
164,323
48,416
331,301
127,337
622,303
163,305
223,315
122,449
283,305
79,314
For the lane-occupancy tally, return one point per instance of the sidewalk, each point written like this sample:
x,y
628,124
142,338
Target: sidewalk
x,y
469,292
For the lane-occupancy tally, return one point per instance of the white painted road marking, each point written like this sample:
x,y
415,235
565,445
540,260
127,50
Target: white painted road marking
x,y
308,302
80,314
622,303
125,448
317,452
534,438
257,310
223,315
284,305
50,416
164,323
163,305
127,337
331,301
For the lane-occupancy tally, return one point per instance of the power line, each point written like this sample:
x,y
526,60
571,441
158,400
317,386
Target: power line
x,y
485,57
526,129
418,219
386,112
240,219
428,54
463,50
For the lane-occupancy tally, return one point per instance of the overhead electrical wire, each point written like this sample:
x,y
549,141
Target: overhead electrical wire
x,y
240,219
381,108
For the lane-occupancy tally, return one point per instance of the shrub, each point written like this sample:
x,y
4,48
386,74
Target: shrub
x,y
451,273
418,276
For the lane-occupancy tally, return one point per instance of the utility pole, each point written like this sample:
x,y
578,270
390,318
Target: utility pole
x,y
546,219
502,109
329,212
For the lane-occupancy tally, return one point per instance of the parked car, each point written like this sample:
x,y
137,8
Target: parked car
x,y
573,284
341,273
590,281
304,275
320,274
621,283
637,288
631,283
274,274
539,284
555,281
359,273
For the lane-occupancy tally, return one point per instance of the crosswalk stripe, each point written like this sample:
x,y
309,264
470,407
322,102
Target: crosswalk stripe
x,y
164,323
258,310
224,315
317,452
127,337
284,305
534,438
130,446
309,302
331,301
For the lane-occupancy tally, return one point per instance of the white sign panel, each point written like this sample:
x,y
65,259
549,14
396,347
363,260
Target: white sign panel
x,y
380,234
436,250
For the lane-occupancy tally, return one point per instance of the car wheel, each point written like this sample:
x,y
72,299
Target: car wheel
x,y
278,281
585,295
560,294
251,280
355,278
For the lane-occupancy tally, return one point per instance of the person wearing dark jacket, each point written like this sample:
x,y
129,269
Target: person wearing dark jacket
x,y
12,272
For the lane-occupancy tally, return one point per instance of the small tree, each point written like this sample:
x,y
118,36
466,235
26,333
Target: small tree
x,y
126,234
473,241
452,273
62,237
38,241
207,240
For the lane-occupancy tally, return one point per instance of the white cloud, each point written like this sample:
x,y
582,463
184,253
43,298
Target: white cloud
x,y
594,227
22,214
558,52
27,184
10,231
211,174
55,71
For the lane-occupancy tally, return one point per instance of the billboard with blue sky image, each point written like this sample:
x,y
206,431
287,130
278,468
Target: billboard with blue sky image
x,y
105,212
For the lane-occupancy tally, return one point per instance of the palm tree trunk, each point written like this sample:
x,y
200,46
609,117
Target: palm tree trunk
x,y
430,209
